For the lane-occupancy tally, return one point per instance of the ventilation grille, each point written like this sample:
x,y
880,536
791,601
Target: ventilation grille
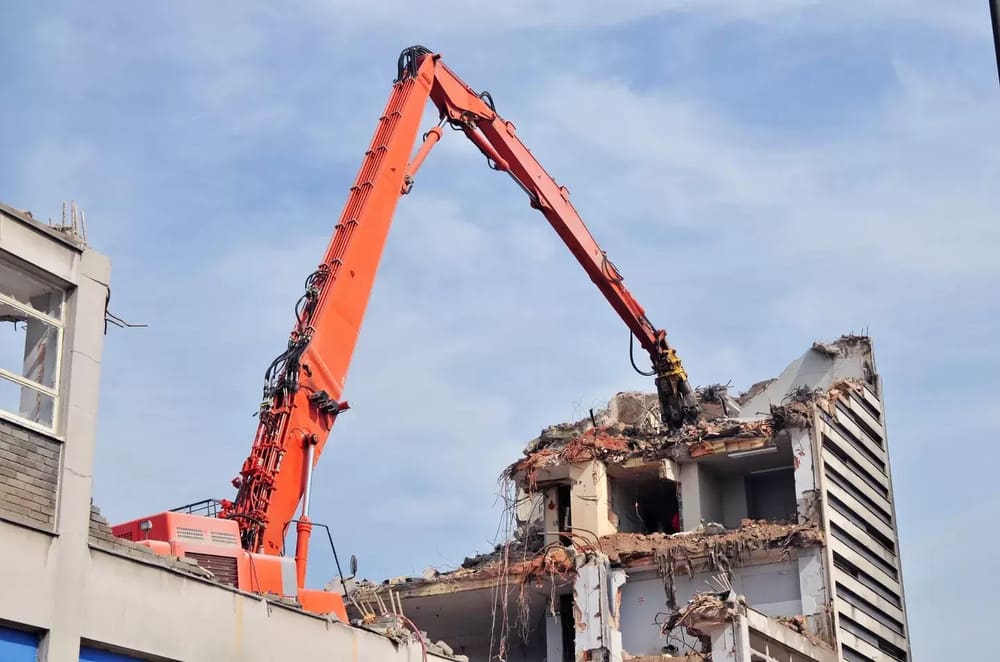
x,y
221,538
127,535
185,533
223,567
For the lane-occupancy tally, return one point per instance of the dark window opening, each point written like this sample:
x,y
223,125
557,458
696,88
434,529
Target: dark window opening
x,y
859,522
861,550
867,406
862,498
567,626
645,505
854,441
855,600
867,635
852,655
771,496
862,424
564,512
867,580
859,470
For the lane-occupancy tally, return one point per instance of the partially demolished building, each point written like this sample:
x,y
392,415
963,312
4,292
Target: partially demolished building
x,y
766,532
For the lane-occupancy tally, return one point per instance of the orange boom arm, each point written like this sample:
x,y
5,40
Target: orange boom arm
x,y
304,385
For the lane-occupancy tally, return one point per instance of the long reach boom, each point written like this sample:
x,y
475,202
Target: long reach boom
x,y
304,385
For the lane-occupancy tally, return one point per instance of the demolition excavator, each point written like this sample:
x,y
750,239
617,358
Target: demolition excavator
x,y
242,541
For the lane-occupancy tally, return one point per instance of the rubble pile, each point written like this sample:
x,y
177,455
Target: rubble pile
x,y
735,544
842,346
701,610
528,560
630,427
801,626
797,409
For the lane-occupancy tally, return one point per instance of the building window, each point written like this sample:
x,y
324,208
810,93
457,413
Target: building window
x,y
91,654
643,503
31,331
18,645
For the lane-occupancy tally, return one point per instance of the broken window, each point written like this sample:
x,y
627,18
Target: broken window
x,y
31,328
644,504
563,512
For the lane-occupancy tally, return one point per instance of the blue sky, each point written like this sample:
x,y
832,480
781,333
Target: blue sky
x,y
764,174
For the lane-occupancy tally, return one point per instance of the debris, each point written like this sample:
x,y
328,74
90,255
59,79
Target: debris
x,y
732,544
701,610
615,445
442,648
831,350
792,415
755,390
627,428
716,402
801,626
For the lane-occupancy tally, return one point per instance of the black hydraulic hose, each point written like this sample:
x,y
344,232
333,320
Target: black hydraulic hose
x,y
631,357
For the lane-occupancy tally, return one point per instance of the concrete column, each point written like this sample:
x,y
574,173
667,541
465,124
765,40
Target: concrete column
x,y
814,563
690,496
701,498
82,347
806,492
596,605
731,641
589,502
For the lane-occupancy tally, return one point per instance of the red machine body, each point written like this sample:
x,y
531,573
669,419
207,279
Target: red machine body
x,y
304,385
214,544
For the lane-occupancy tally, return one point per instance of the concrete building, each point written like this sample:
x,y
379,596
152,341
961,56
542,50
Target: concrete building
x,y
70,590
766,532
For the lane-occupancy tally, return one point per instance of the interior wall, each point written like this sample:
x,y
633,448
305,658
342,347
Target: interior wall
x,y
734,500
709,496
623,506
772,589
772,495
727,498
468,621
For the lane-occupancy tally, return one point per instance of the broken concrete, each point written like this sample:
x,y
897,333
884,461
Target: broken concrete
x,y
732,545
630,425
583,526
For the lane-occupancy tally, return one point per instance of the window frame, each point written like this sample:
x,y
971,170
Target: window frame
x,y
23,381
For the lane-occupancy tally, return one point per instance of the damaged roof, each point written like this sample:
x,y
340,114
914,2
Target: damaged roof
x,y
630,425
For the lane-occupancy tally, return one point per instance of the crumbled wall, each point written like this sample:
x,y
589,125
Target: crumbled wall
x,y
819,369
29,470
